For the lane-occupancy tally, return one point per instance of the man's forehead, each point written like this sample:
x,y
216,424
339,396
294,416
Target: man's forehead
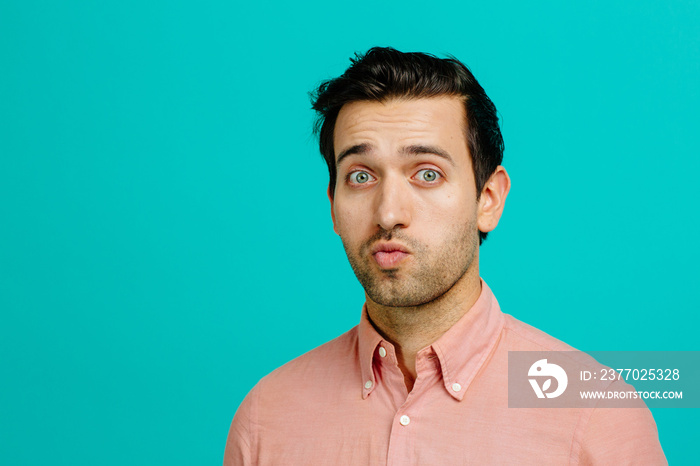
x,y
417,125
416,108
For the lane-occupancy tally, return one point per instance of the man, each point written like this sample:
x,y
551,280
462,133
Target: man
x,y
414,150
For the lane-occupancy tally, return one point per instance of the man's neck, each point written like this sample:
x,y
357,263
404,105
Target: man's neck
x,y
410,329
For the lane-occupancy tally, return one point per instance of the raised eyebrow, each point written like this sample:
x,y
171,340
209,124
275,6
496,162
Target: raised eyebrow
x,y
419,149
415,149
358,149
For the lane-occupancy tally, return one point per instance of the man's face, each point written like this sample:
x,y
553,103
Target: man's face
x,y
405,203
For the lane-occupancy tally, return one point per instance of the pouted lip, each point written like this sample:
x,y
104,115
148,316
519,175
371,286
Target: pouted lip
x,y
389,247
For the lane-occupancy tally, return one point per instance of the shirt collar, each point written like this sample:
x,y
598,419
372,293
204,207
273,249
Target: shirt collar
x,y
462,350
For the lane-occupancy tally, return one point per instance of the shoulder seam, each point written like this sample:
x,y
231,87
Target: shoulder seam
x,y
524,337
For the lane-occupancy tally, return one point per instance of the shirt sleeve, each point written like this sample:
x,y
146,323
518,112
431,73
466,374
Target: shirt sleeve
x,y
621,436
239,445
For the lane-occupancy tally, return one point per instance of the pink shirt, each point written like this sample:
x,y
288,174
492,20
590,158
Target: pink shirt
x,y
345,403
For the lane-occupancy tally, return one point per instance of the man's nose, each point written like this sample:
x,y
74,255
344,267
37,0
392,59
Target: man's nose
x,y
393,203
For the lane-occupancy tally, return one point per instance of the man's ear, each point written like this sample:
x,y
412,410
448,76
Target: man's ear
x,y
330,198
493,199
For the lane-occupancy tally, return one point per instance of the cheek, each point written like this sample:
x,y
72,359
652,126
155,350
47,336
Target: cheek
x,y
348,218
446,219
447,207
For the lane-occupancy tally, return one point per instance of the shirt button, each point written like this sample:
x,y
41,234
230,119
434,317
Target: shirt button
x,y
456,387
404,420
382,351
368,384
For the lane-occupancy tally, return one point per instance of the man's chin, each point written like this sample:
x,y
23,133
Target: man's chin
x,y
398,298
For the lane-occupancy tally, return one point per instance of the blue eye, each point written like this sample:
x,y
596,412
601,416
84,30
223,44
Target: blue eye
x,y
428,175
359,177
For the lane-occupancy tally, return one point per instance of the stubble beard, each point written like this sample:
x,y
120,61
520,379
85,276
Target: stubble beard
x,y
431,275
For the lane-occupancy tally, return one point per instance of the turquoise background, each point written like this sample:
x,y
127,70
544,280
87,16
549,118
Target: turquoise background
x,y
165,238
